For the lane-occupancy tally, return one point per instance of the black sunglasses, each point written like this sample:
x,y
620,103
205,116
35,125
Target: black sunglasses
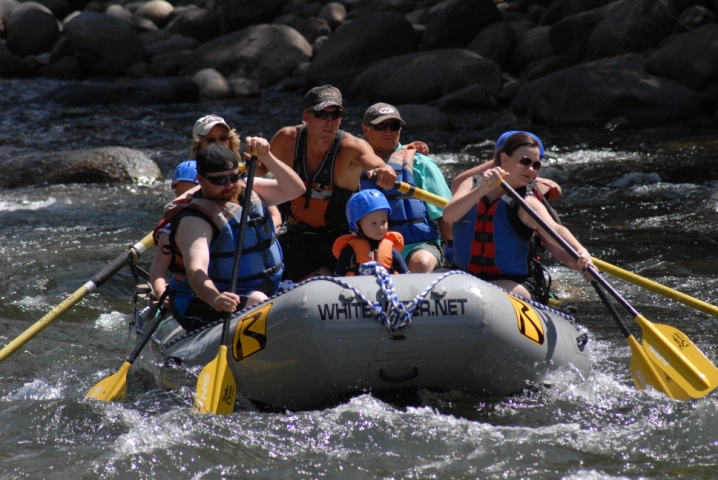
x,y
222,181
324,114
528,162
393,126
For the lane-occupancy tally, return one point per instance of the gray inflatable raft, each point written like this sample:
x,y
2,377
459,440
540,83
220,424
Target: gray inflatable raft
x,y
328,338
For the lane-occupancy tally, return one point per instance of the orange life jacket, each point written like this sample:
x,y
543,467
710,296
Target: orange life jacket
x,y
363,253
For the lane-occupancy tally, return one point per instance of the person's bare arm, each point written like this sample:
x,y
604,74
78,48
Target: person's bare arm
x,y
364,159
445,230
193,238
470,173
553,246
159,266
283,144
467,194
286,184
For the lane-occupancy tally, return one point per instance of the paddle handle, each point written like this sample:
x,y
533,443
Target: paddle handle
x,y
420,194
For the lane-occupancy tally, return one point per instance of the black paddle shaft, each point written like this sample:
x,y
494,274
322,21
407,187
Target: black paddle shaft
x,y
612,310
246,205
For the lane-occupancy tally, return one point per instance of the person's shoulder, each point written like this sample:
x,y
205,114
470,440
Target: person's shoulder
x,y
349,138
291,131
354,144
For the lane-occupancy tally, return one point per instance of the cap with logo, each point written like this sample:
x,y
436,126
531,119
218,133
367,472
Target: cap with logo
x,y
216,158
203,126
319,98
380,112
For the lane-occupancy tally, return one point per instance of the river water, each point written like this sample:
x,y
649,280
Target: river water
x,y
644,199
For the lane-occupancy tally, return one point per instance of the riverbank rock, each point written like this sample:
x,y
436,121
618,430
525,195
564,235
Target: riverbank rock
x,y
596,92
97,165
455,55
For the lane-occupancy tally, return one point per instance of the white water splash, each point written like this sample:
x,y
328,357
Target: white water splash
x,y
26,205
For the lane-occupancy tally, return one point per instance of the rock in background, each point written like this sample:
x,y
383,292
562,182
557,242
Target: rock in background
x,y
550,62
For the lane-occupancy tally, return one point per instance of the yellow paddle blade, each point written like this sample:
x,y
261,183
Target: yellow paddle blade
x,y
643,371
112,388
216,388
674,353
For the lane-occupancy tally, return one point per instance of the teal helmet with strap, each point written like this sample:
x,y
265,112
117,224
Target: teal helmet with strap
x,y
364,202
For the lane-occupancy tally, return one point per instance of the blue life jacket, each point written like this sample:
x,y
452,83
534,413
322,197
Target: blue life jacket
x,y
261,264
408,215
491,241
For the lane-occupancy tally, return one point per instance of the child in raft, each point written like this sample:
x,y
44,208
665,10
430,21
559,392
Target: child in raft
x,y
368,216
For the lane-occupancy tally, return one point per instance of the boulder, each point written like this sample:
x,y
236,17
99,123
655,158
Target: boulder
x,y
632,26
533,46
558,10
175,43
157,11
266,53
32,29
212,84
94,165
241,14
359,43
425,76
311,28
495,42
424,118
690,58
595,92
458,22
333,13
570,35
200,23
12,66
105,45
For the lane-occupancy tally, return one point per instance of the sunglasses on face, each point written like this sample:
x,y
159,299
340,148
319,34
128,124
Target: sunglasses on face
x,y
324,114
213,140
393,126
222,180
529,162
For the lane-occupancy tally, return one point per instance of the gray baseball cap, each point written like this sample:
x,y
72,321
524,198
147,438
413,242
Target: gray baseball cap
x,y
380,112
319,98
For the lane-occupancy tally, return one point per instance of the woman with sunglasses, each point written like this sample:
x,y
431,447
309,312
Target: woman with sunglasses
x,y
549,189
493,235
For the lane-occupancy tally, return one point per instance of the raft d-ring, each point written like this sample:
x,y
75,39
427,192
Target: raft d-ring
x,y
347,295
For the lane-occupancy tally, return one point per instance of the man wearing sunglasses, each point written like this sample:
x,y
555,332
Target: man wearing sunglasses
x,y
205,232
330,162
421,224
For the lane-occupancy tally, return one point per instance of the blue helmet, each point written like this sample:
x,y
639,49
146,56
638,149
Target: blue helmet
x,y
185,171
363,202
502,139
